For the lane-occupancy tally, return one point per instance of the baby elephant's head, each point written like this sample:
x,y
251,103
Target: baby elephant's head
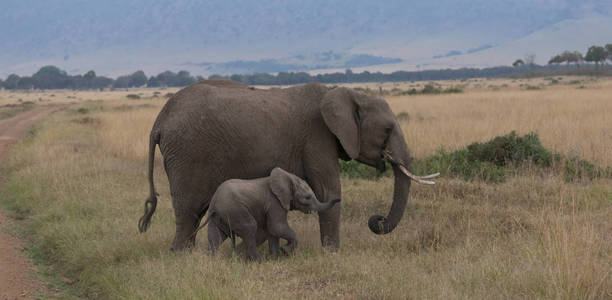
x,y
295,193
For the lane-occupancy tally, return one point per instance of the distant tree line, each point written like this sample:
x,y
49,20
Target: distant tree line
x,y
51,77
284,78
595,54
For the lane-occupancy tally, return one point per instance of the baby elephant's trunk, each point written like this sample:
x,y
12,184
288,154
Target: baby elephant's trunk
x,y
326,205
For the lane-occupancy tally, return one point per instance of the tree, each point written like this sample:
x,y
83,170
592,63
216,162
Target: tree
x,y
138,79
90,75
567,57
596,54
518,63
122,82
575,57
50,77
25,83
609,51
183,78
557,59
11,82
153,82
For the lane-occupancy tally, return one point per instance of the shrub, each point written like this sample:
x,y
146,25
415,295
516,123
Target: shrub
x,y
511,148
430,89
491,161
354,169
133,96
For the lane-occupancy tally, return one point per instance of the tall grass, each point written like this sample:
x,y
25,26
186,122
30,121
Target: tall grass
x,y
570,121
82,185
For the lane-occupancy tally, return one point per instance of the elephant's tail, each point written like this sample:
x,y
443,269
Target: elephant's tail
x,y
151,203
210,215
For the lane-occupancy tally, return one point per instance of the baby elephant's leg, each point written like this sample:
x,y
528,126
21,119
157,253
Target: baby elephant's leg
x,y
273,243
247,230
282,230
216,236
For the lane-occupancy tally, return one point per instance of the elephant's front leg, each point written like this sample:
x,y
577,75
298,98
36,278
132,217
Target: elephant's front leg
x,y
323,176
329,224
288,234
279,228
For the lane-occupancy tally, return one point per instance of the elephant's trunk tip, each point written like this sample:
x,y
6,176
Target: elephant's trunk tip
x,y
379,224
145,220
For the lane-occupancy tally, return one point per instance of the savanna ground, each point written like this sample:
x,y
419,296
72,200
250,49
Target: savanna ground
x,y
79,180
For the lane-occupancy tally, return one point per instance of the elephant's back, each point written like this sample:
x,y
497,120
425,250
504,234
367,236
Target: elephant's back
x,y
223,98
204,125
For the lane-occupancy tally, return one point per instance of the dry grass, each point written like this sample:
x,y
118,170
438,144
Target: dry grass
x,y
569,120
73,96
81,180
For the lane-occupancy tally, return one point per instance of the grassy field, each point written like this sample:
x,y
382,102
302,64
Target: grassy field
x,y
80,182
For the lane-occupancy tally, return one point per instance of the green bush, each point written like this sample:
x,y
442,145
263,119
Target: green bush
x,y
511,148
491,161
354,169
458,164
133,96
576,168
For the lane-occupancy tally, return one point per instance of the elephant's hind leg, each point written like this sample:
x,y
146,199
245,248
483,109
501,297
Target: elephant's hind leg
x,y
247,230
216,235
188,214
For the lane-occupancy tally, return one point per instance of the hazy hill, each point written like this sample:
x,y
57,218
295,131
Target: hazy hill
x,y
117,37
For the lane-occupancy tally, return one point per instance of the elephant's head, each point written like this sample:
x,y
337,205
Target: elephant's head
x,y
294,193
368,132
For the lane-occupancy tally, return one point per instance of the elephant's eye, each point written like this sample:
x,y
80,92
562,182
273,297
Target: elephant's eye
x,y
308,197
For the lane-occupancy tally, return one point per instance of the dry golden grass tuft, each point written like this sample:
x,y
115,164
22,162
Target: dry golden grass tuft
x,y
81,179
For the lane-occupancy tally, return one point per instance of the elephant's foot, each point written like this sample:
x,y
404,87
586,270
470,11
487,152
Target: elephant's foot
x,y
254,256
182,246
330,243
329,223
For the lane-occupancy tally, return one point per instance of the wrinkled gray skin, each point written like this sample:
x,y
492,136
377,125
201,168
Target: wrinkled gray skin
x,y
257,209
213,131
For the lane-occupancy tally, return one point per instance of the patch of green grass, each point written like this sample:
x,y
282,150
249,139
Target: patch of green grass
x,y
492,161
429,89
11,110
354,169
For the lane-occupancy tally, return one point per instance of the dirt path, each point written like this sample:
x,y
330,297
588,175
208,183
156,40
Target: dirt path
x,y
15,268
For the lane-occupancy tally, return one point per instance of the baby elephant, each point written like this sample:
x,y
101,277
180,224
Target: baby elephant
x,y
256,210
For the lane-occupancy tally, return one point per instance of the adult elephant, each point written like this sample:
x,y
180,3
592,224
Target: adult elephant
x,y
212,131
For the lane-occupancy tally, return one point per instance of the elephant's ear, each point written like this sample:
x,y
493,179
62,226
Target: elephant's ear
x,y
340,113
281,186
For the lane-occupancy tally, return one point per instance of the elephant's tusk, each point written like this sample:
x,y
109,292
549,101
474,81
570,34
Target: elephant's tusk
x,y
416,178
419,179
429,176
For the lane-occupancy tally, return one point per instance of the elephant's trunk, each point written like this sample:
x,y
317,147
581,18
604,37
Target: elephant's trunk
x,y
399,156
321,207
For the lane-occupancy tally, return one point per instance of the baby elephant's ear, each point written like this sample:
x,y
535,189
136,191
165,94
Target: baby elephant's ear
x,y
281,186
